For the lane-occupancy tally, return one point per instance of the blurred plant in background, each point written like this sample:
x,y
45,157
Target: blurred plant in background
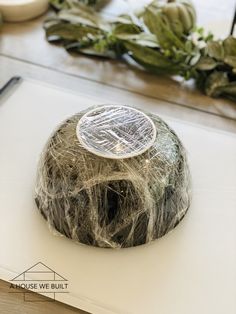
x,y
66,4
163,38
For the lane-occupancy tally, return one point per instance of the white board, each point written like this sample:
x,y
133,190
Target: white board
x,y
191,270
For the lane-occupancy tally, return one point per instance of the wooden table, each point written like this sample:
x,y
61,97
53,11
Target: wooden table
x,y
25,52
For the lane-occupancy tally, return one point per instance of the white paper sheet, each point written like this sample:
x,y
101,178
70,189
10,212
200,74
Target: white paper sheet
x,y
192,270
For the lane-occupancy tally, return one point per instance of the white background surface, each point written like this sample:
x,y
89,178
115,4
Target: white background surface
x,y
192,270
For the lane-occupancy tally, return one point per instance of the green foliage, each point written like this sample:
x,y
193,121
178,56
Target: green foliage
x,y
1,20
217,69
67,4
162,39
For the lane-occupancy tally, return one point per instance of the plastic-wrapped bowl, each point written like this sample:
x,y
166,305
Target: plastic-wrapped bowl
x,y
113,176
22,10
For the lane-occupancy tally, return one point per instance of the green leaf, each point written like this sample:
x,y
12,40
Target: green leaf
x,y
194,60
126,19
72,32
142,39
229,90
206,64
155,46
188,46
146,40
215,82
168,70
59,4
231,61
229,45
90,50
215,50
84,17
1,20
66,4
159,25
126,29
148,55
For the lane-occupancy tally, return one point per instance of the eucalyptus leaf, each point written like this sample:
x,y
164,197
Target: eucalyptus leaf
x,y
123,19
215,50
194,60
59,4
229,90
168,70
159,25
161,41
84,17
93,52
229,45
142,39
90,50
180,14
146,40
126,29
215,82
148,56
206,64
127,19
189,47
72,32
231,61
66,4
51,21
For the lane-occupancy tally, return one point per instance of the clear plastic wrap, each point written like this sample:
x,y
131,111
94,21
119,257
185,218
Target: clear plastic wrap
x,y
113,177
116,131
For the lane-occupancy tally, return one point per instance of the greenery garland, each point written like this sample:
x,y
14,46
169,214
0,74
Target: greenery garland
x,y
66,4
163,39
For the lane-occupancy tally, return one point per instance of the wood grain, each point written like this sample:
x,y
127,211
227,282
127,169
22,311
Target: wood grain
x,y
13,303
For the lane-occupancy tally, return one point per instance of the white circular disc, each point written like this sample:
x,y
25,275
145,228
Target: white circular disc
x,y
116,132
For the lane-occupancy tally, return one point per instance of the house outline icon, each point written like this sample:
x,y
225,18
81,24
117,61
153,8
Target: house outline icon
x,y
39,268
39,272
